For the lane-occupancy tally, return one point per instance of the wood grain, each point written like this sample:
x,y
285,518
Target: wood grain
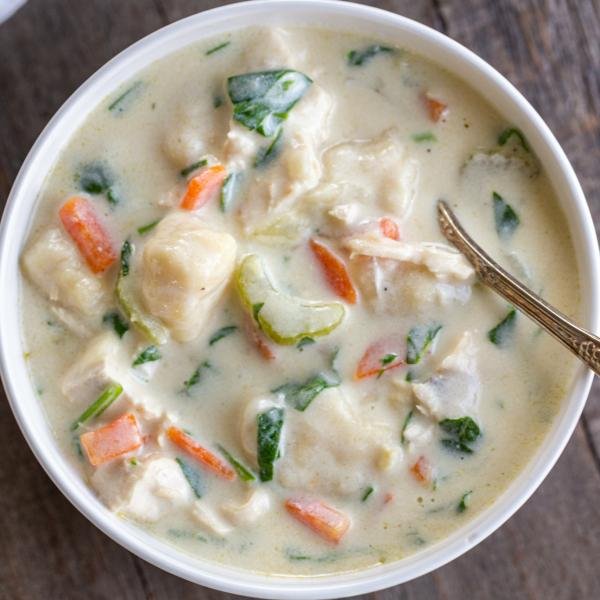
x,y
549,551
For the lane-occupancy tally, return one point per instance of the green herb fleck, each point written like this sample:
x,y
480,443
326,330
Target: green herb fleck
x,y
425,136
357,58
268,154
464,431
196,377
217,48
305,341
117,322
367,493
263,100
149,354
502,334
221,333
133,462
193,477
96,408
217,101
149,227
510,132
243,473
229,191
256,309
270,424
465,501
191,168
418,340
507,220
407,420
96,178
125,259
123,102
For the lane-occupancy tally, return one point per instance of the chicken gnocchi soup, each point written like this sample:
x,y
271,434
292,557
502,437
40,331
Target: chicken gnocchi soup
x,y
245,326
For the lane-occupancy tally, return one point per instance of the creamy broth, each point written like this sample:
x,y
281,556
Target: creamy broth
x,y
405,413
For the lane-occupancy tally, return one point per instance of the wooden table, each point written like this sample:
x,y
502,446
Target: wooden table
x,y
550,550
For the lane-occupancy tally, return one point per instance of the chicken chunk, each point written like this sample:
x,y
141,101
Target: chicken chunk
x,y
100,365
185,269
54,265
209,519
250,510
332,448
453,391
145,491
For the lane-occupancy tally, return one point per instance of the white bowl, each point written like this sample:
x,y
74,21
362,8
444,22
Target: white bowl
x,y
22,202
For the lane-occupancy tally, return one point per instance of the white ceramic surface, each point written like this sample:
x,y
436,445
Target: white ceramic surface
x,y
22,201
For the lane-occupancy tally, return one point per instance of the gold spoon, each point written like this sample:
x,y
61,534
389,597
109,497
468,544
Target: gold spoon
x,y
581,342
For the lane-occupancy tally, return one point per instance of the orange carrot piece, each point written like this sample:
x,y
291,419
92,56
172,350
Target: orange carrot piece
x,y
435,108
389,496
389,228
257,338
83,225
203,187
335,272
422,470
383,355
195,450
324,520
112,440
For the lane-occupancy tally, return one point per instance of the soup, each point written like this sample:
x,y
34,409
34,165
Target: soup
x,y
245,326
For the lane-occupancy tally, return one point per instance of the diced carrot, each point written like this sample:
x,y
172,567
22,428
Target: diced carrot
x,y
257,338
422,470
389,228
335,272
435,108
383,355
112,440
203,187
195,450
83,225
328,522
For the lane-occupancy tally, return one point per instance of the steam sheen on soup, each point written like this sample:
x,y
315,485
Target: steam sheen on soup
x,y
245,326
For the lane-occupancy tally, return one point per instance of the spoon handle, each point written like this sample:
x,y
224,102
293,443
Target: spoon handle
x,y
581,342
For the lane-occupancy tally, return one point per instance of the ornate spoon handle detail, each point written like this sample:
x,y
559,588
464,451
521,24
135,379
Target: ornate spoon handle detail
x,y
581,342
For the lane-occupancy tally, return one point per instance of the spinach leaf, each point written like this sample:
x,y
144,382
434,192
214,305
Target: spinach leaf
x,y
367,493
149,354
270,424
125,258
117,322
463,431
464,502
300,395
357,58
217,48
228,191
405,425
191,168
193,477
263,100
149,227
513,132
123,102
268,154
502,334
96,178
98,406
425,136
243,473
507,220
418,340
196,377
221,333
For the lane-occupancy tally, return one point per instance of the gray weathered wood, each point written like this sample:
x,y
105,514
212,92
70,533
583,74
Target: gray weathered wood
x,y
550,549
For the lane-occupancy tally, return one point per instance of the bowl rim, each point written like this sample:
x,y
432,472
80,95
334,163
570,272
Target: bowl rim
x,y
231,579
